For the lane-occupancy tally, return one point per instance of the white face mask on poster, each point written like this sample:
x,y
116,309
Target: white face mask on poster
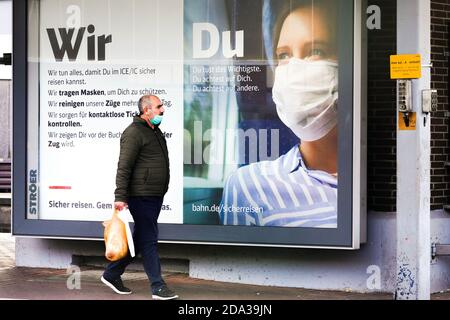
x,y
306,94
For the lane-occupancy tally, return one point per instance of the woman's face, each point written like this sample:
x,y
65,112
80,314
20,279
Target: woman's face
x,y
305,34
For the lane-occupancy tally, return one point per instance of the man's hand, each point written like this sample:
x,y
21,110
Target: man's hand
x,y
120,205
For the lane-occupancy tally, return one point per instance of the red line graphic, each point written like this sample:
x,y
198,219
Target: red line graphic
x,y
60,188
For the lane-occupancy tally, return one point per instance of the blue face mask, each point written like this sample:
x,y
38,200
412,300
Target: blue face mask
x,y
156,120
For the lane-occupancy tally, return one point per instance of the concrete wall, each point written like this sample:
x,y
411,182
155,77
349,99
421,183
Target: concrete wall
x,y
314,269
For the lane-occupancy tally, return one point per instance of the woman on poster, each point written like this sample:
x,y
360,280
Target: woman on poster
x,y
299,189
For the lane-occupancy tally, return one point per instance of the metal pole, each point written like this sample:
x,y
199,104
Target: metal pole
x,y
413,162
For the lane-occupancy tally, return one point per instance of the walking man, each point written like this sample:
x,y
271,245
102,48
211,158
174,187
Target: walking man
x,y
142,180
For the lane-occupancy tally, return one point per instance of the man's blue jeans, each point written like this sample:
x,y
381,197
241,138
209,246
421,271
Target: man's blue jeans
x,y
145,212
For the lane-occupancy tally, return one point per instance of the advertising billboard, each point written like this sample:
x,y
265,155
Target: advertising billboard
x,y
263,116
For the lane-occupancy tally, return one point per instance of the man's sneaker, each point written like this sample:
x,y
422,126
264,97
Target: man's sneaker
x,y
164,293
117,286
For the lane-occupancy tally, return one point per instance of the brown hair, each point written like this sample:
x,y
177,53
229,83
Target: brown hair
x,y
289,6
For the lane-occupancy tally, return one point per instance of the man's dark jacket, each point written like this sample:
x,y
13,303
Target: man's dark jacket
x,y
143,168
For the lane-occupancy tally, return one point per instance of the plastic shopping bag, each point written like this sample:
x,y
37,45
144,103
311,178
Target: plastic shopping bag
x,y
126,218
116,244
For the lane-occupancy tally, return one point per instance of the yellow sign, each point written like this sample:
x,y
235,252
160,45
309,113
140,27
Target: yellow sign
x,y
412,121
406,66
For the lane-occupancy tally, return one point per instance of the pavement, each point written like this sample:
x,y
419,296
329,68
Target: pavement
x,y
83,283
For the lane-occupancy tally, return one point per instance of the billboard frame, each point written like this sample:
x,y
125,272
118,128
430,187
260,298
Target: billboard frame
x,y
351,213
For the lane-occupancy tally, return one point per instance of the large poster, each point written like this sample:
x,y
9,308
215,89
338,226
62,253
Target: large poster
x,y
261,113
96,58
251,92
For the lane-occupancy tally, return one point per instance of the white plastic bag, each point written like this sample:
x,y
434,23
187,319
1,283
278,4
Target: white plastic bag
x,y
126,217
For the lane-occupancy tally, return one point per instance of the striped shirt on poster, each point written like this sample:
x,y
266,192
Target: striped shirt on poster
x,y
280,193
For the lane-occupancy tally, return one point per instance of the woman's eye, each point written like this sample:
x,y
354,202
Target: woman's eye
x,y
283,56
317,53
